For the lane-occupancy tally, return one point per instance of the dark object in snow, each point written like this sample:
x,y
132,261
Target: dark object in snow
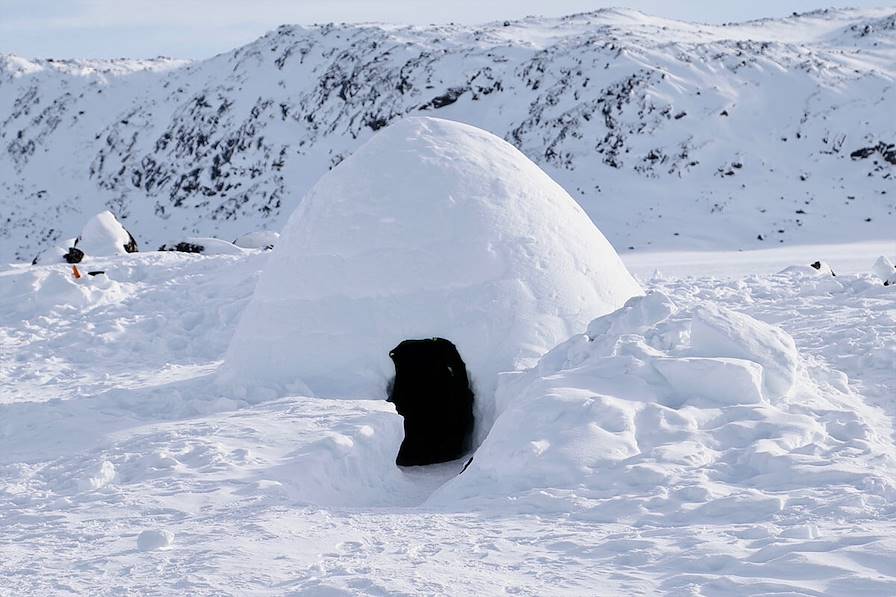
x,y
431,390
466,466
861,154
205,245
183,247
96,273
446,99
74,255
886,150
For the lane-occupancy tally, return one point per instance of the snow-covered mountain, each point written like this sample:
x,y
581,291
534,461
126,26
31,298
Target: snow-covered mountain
x,y
670,134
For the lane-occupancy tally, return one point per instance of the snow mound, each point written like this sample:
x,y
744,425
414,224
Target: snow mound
x,y
432,228
103,476
261,239
154,539
817,268
204,245
103,234
674,415
51,288
884,269
56,254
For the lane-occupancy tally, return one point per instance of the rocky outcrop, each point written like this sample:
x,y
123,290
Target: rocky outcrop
x,y
887,151
606,102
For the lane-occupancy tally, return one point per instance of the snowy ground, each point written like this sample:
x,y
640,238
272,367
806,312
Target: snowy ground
x,y
110,426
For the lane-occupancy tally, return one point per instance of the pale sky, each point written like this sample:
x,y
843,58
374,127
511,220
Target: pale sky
x,y
202,28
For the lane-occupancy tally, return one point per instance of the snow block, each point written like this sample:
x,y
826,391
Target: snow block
x,y
431,229
717,332
725,381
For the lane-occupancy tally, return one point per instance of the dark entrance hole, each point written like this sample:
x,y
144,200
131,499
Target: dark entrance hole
x,y
432,391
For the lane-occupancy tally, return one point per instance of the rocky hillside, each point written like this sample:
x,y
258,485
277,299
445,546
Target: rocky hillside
x,y
670,134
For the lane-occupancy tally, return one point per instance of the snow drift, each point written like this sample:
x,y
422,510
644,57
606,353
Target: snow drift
x,y
683,416
433,228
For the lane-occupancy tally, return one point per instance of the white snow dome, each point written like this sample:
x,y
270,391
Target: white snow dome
x,y
103,234
431,228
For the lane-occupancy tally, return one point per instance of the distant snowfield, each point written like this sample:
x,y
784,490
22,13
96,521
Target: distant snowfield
x,y
847,258
671,135
124,469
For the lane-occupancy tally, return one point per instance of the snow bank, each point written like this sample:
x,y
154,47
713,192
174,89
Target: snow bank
x,y
662,413
104,235
261,239
37,291
433,228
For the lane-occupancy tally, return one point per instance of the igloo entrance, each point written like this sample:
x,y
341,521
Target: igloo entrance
x,y
432,391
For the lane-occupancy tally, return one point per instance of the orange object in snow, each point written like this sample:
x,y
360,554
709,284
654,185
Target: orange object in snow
x,y
75,272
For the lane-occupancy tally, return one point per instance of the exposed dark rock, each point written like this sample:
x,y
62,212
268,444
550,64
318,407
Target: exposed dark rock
x,y
131,246
886,150
183,247
446,99
376,124
74,255
861,154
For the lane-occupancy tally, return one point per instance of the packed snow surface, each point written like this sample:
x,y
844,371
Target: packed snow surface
x,y
431,229
717,436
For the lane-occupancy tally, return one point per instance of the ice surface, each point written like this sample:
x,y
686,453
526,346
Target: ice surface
x,y
433,228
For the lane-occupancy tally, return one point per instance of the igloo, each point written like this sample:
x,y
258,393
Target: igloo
x,y
432,228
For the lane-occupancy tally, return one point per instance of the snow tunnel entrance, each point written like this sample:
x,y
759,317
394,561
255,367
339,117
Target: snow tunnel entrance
x,y
432,391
